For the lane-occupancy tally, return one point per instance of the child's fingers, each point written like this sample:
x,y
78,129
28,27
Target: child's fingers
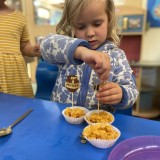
x,y
112,99
109,93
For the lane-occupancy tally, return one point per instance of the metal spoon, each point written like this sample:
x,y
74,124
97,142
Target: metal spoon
x,y
8,130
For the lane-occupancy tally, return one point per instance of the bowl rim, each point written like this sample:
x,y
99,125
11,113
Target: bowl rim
x,y
95,111
85,109
105,140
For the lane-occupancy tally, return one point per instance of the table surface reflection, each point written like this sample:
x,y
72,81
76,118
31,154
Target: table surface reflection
x,y
44,133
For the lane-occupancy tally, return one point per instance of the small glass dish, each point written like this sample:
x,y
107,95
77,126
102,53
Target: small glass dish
x,y
75,114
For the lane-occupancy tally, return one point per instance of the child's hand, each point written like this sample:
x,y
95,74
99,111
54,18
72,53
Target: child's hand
x,y
36,50
109,93
29,50
99,61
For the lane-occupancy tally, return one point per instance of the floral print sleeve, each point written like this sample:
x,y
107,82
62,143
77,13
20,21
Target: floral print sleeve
x,y
59,49
122,74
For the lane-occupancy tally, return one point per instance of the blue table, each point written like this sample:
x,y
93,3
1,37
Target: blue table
x,y
44,133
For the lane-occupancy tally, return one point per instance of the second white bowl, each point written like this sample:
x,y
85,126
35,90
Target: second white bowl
x,y
73,120
109,117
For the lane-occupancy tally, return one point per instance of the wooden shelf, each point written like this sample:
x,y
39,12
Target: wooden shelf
x,y
129,10
152,113
146,64
147,89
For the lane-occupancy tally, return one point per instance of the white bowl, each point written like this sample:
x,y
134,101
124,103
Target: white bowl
x,y
97,111
73,120
102,143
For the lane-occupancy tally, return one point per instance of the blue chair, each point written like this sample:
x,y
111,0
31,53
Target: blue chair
x,y
126,111
46,75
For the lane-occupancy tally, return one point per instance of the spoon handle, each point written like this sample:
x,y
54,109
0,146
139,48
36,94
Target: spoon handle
x,y
21,118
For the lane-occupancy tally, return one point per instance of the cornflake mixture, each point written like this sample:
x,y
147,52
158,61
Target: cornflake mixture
x,y
100,117
74,112
100,131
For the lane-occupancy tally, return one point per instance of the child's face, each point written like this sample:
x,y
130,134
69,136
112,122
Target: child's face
x,y
92,24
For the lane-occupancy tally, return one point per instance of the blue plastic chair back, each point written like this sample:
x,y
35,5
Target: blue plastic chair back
x,y
126,111
46,75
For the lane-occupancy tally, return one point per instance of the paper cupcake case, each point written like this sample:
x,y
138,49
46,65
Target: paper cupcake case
x,y
75,120
96,111
101,143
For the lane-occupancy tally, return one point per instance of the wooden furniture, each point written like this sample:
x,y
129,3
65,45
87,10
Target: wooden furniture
x,y
132,23
148,105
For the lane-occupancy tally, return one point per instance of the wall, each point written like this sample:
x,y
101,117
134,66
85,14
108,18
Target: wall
x,y
34,31
136,3
150,44
151,47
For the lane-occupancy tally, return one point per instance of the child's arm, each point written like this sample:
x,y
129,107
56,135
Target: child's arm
x,y
29,50
59,49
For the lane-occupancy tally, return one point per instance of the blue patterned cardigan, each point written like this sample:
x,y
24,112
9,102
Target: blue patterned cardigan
x,y
59,50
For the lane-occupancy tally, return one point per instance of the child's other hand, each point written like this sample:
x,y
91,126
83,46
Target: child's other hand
x,y
110,93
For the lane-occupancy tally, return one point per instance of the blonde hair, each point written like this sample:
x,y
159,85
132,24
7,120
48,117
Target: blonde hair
x,y
72,8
